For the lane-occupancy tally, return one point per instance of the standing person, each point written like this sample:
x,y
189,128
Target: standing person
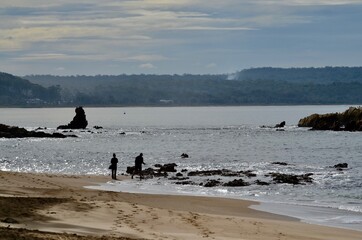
x,y
138,166
113,166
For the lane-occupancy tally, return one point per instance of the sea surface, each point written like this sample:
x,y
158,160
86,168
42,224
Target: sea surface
x,y
235,138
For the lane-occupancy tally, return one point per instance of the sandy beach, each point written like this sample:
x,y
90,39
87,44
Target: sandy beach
x,y
41,206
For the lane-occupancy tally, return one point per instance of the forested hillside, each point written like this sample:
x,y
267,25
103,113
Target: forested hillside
x,y
20,92
195,90
221,92
324,75
261,86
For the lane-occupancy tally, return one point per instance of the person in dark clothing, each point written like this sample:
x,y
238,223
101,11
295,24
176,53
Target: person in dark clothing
x,y
138,166
113,166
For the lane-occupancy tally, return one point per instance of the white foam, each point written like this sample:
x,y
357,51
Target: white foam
x,y
316,215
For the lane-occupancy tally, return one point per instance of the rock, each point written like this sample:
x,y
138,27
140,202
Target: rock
x,y
212,183
248,173
184,155
170,167
280,163
341,166
236,183
98,127
205,173
160,174
179,175
291,178
262,183
130,170
16,132
350,120
184,170
229,173
179,178
280,125
186,183
150,172
307,177
285,178
79,121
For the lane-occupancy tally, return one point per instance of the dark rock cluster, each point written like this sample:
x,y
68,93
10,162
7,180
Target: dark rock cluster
x,y
158,171
292,178
341,166
278,126
17,132
350,120
79,121
218,177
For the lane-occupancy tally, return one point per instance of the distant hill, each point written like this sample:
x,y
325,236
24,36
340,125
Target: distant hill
x,y
20,92
302,75
249,87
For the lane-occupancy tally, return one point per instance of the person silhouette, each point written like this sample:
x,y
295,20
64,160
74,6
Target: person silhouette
x,y
113,166
138,166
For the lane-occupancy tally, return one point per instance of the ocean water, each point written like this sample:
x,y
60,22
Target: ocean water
x,y
214,138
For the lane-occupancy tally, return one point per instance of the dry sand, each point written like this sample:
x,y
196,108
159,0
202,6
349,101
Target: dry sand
x,y
59,207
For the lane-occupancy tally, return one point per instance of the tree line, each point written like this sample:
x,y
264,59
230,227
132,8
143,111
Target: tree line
x,y
263,86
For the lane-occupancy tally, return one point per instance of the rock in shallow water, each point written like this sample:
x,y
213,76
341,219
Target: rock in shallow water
x,y
16,132
79,121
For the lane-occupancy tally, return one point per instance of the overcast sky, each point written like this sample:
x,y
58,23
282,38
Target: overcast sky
x,y
69,37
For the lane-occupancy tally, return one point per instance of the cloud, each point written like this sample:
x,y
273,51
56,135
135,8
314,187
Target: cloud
x,y
150,31
147,66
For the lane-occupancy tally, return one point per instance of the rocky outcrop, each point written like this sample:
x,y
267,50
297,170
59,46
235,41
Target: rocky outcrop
x,y
280,163
202,178
280,125
159,171
350,120
212,183
79,121
341,166
291,178
16,132
170,167
236,183
261,183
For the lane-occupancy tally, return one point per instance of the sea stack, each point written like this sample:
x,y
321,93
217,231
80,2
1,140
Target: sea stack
x,y
79,121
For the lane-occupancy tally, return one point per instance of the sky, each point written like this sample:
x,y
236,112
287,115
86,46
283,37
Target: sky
x,y
90,37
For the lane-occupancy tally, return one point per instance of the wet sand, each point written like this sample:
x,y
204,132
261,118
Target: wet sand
x,y
59,207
